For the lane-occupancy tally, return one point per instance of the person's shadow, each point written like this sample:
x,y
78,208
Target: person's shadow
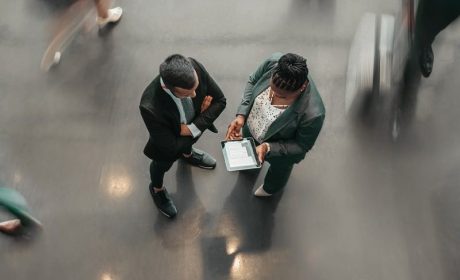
x,y
191,217
445,202
245,225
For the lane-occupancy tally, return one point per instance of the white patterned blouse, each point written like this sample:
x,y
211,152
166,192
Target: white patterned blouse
x,y
262,115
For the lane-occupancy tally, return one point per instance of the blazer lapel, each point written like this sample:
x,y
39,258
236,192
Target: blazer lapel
x,y
283,120
290,115
169,105
262,85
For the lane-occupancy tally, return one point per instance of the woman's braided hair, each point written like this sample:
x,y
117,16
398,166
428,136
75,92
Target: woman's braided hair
x,y
290,73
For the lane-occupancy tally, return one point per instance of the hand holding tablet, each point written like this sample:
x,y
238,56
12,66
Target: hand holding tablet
x,y
240,154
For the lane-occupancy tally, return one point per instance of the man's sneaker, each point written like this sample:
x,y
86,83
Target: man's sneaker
x,y
114,16
164,202
426,61
201,159
261,192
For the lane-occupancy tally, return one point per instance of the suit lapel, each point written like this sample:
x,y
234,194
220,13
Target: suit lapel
x,y
262,85
290,115
168,105
283,120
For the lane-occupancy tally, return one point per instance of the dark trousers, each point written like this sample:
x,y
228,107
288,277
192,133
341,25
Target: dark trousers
x,y
279,171
278,174
157,172
158,168
432,17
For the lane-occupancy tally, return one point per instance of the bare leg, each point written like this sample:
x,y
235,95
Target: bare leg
x,y
102,7
106,15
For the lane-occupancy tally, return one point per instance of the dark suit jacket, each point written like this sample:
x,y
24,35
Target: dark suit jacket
x,y
162,118
295,131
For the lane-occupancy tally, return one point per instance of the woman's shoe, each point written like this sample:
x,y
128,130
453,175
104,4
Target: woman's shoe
x,y
261,192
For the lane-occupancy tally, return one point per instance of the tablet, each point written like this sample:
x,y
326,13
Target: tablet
x,y
240,154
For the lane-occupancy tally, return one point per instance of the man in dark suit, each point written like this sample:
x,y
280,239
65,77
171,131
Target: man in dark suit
x,y
177,107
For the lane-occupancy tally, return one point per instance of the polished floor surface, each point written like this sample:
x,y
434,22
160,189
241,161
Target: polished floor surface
x,y
359,206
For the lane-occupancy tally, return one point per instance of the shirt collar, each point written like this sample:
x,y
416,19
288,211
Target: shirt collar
x,y
167,90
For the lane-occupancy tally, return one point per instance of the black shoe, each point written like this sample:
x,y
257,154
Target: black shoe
x,y
426,60
201,159
164,202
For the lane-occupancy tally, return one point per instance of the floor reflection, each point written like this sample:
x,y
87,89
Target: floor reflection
x,y
445,204
116,182
192,216
243,229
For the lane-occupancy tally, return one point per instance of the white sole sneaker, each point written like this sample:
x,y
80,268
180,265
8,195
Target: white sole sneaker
x,y
114,16
261,192
56,58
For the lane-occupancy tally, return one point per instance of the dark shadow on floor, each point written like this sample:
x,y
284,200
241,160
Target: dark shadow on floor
x,y
245,226
191,218
445,203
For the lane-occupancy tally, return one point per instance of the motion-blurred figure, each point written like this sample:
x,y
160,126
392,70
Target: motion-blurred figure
x,y
106,15
15,204
79,14
388,56
432,17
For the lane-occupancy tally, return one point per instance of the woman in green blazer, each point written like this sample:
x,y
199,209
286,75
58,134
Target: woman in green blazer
x,y
283,111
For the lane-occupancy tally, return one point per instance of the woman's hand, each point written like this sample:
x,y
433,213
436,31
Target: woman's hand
x,y
234,128
262,151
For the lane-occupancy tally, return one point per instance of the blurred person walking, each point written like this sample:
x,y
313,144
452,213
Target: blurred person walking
x,y
432,17
79,14
15,204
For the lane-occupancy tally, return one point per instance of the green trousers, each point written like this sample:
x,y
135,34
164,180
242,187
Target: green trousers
x,y
279,171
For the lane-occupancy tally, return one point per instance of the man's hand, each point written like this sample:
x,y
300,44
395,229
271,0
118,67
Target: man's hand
x,y
184,130
261,151
206,103
234,128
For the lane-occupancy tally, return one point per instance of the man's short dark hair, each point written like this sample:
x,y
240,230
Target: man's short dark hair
x,y
290,73
177,71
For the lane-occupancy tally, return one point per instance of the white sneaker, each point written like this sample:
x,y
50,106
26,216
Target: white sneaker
x,y
261,192
114,16
56,58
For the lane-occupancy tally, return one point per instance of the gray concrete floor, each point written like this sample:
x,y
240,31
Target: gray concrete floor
x,y
357,208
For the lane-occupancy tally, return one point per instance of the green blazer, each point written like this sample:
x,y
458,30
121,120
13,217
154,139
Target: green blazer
x,y
295,131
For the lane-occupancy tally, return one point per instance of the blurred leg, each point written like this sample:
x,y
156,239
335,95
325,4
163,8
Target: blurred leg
x,y
432,17
15,203
106,15
63,30
102,7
